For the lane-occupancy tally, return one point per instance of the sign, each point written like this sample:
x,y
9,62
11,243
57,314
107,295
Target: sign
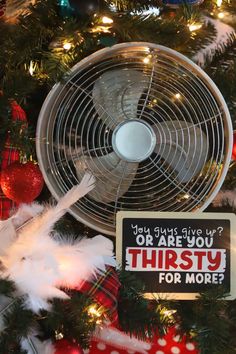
x,y
178,255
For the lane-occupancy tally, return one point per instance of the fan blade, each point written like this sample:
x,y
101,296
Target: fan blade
x,y
183,146
113,176
116,95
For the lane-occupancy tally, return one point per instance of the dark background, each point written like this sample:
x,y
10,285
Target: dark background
x,y
150,279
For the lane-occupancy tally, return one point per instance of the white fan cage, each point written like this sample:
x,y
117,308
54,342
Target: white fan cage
x,y
179,104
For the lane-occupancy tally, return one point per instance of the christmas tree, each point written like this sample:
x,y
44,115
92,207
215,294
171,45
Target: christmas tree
x,y
51,299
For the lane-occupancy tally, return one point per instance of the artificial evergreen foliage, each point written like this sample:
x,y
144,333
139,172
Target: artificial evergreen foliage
x,y
131,5
6,287
18,322
70,318
36,41
208,321
138,316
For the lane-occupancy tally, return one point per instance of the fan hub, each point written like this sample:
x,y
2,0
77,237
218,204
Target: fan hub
x,y
133,140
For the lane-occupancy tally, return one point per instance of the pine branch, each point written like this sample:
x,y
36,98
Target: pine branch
x,y
132,5
70,318
229,6
222,69
25,42
7,287
18,322
207,320
230,180
137,315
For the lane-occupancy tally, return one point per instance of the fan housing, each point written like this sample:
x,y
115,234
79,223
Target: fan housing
x,y
147,122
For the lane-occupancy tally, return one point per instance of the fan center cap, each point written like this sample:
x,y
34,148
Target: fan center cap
x,y
133,140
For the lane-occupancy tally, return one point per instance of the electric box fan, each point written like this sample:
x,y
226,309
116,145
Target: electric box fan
x,y
147,122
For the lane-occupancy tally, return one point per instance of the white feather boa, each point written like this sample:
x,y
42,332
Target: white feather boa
x,y
34,346
39,264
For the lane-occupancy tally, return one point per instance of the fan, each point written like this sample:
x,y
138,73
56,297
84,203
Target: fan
x,y
147,122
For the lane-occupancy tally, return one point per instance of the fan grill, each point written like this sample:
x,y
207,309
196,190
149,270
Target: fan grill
x,y
177,97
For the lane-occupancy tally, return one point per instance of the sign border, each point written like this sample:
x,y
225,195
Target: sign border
x,y
180,215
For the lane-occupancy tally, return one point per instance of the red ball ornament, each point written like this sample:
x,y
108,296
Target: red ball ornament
x,y
234,147
64,347
22,183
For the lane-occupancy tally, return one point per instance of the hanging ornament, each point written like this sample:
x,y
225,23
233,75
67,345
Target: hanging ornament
x,y
9,155
172,14
22,183
177,3
82,7
2,7
62,346
66,10
234,146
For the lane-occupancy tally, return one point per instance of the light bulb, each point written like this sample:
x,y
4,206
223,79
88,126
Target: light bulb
x,y
32,67
93,311
194,26
147,59
169,313
221,15
67,45
107,20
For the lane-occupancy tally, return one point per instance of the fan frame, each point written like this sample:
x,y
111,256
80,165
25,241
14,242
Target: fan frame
x,y
51,100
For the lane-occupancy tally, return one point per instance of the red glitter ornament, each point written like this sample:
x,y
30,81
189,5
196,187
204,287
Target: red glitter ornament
x,y
22,183
234,147
64,347
2,7
10,154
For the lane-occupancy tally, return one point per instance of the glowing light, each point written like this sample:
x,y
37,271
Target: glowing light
x,y
98,29
178,96
64,3
107,20
94,312
147,59
219,3
169,313
194,26
221,15
151,11
59,335
186,196
67,45
32,67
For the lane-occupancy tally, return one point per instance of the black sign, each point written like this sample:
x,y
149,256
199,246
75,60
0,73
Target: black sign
x,y
173,254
